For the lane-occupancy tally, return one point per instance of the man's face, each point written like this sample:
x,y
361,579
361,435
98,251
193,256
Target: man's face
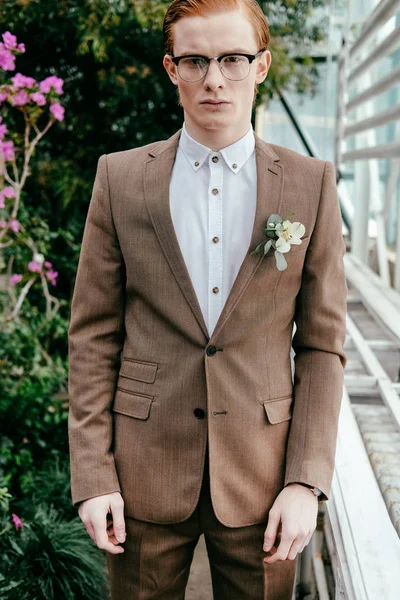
x,y
214,35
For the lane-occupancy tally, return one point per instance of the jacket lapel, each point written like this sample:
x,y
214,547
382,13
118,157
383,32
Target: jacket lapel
x,y
157,177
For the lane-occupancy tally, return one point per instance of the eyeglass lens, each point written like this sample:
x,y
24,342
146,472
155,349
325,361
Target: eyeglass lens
x,y
194,68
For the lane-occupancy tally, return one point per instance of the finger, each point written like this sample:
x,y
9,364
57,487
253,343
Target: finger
x,y
100,529
306,542
295,548
282,552
113,540
117,510
111,536
271,530
90,530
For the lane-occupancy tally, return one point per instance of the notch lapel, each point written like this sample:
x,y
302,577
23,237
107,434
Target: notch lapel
x,y
157,177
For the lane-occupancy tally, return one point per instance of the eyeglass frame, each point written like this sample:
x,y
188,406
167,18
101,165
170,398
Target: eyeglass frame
x,y
251,58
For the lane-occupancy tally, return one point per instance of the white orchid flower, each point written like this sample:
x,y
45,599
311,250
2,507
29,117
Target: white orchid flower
x,y
288,234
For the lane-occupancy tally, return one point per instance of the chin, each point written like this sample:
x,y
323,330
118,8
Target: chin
x,y
215,121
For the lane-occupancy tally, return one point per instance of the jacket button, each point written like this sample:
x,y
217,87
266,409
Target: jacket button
x,y
211,350
199,413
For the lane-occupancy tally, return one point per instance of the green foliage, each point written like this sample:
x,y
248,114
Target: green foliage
x,y
47,484
33,405
51,559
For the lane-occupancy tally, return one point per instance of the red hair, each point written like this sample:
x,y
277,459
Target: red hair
x,y
189,8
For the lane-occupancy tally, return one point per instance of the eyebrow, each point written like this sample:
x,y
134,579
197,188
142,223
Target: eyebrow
x,y
234,51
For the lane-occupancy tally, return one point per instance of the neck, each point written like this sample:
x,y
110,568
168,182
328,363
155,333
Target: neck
x,y
216,139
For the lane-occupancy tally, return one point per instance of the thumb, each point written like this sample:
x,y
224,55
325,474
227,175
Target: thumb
x,y
271,532
117,511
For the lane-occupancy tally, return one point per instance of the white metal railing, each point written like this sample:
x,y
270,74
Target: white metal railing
x,y
357,63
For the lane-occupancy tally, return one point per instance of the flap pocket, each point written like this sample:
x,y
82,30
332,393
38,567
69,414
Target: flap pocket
x,y
279,410
138,369
132,404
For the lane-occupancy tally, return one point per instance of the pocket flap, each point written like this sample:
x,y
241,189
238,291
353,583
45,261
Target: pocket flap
x,y
132,405
140,370
279,410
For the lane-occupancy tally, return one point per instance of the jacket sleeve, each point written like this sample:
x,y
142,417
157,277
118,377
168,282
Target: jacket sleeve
x,y
95,340
318,342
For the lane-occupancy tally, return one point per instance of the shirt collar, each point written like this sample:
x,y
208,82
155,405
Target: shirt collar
x,y
236,155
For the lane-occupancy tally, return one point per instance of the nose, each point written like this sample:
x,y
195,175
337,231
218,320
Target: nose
x,y
214,77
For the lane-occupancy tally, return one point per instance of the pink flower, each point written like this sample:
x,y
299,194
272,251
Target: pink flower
x,y
3,131
38,98
21,81
51,276
8,192
17,521
10,40
57,111
47,263
7,60
21,47
3,96
20,98
3,223
34,266
16,278
8,150
14,225
52,82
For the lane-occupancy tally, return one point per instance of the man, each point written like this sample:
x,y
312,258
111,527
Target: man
x,y
184,416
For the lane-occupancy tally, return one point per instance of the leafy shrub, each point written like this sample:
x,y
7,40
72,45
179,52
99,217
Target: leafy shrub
x,y
33,406
49,558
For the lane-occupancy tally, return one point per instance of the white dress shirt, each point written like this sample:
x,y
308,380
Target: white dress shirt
x,y
213,198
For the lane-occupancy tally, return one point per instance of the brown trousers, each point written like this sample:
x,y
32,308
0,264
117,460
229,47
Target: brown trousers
x,y
157,559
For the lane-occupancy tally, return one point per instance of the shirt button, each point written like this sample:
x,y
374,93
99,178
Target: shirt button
x,y
215,159
199,413
234,166
215,191
196,164
215,239
215,290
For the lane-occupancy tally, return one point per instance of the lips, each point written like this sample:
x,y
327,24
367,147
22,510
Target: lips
x,y
214,102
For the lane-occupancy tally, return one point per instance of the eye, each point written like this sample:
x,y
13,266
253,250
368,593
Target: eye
x,y
194,61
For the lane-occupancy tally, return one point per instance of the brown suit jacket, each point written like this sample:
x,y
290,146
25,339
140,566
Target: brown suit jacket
x,y
142,362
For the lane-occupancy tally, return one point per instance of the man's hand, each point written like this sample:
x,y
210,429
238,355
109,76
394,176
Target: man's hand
x,y
106,530
296,508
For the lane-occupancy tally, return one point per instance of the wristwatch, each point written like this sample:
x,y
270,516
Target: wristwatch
x,y
316,491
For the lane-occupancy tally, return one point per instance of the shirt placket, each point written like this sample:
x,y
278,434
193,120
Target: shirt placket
x,y
215,224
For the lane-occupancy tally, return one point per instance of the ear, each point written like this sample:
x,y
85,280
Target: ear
x,y
263,66
170,67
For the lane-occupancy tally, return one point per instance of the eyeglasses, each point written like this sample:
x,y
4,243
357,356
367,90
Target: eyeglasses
x,y
232,66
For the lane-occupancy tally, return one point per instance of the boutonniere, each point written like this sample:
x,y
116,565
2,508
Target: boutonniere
x,y
282,234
